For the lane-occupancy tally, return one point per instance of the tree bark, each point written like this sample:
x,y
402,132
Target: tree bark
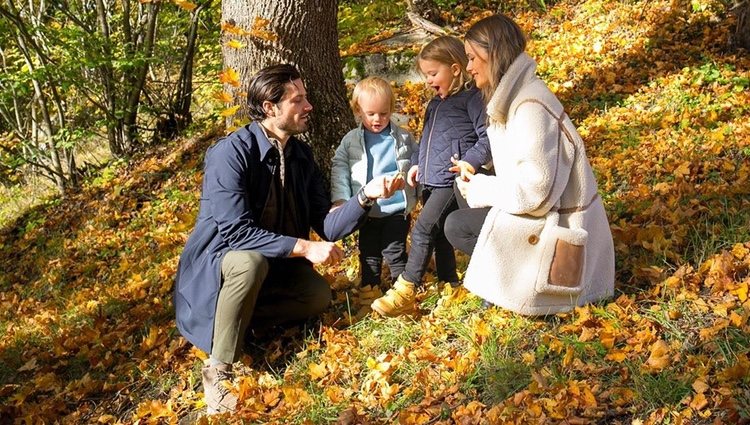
x,y
178,117
144,45
303,33
742,31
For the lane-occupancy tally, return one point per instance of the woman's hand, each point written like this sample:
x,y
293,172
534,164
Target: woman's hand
x,y
464,170
462,184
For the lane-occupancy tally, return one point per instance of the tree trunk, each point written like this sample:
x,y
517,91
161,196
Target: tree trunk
x,y
107,76
303,33
742,31
178,117
426,9
145,46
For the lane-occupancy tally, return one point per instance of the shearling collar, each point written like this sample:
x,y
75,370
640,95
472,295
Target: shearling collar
x,y
521,72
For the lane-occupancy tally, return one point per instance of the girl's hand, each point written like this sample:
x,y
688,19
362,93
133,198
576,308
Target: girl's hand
x,y
411,175
464,169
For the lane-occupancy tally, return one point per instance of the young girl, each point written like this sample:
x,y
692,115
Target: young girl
x,y
453,133
377,147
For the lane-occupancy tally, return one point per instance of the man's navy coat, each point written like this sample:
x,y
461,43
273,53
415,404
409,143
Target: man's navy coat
x,y
237,175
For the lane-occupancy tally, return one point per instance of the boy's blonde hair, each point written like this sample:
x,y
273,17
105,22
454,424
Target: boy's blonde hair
x,y
448,50
372,86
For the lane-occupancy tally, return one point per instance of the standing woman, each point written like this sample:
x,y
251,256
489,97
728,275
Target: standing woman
x,y
537,230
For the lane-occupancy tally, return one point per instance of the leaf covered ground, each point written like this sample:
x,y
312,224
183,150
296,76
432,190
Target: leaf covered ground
x,y
87,330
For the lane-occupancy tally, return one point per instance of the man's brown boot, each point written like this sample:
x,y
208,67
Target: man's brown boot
x,y
400,299
219,398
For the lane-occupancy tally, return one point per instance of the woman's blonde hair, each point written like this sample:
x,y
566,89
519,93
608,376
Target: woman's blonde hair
x,y
372,86
448,50
503,40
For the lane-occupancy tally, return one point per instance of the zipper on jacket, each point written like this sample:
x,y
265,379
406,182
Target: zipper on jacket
x,y
429,139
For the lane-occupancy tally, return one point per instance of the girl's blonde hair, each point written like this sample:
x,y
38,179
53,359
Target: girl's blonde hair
x,y
503,40
448,50
372,86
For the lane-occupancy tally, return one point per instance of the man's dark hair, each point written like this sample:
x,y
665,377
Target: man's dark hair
x,y
268,85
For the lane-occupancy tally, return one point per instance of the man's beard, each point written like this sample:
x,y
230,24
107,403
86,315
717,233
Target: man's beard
x,y
296,127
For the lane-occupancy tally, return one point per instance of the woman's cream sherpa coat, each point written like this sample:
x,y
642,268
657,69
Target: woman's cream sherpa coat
x,y
540,166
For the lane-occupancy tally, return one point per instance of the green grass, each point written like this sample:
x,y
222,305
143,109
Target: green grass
x,y
661,389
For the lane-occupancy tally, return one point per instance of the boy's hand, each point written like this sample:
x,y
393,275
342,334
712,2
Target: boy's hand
x,y
411,175
398,182
464,170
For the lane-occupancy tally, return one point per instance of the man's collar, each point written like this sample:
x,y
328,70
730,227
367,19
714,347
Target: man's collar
x,y
264,141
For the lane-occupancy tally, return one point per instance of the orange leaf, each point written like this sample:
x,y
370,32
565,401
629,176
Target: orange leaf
x,y
223,96
659,358
229,76
185,5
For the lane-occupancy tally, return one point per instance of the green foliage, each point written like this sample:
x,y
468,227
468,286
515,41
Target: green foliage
x,y
360,21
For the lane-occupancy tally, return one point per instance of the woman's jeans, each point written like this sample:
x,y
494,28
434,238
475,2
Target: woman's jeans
x,y
462,227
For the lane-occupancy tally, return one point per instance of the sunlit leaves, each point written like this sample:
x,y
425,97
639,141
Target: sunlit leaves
x,y
230,76
184,4
85,297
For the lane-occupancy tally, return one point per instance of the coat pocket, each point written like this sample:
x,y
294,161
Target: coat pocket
x,y
563,261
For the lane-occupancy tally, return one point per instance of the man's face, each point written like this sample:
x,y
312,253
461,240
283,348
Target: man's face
x,y
292,113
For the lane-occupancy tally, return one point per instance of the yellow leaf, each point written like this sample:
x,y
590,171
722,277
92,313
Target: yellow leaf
x,y
229,111
616,355
683,169
317,371
235,44
229,76
699,402
741,291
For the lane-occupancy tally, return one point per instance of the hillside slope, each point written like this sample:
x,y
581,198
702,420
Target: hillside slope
x,y
87,329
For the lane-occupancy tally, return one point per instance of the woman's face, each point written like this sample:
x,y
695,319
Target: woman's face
x,y
477,66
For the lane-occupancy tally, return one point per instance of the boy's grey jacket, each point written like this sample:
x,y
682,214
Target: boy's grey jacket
x,y
349,168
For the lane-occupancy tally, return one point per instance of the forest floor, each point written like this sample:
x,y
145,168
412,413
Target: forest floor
x,y
87,332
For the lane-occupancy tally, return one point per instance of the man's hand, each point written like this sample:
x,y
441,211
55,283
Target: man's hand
x,y
411,175
464,170
318,252
383,186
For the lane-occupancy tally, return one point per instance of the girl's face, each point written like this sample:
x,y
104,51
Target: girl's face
x,y
477,66
375,112
440,76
